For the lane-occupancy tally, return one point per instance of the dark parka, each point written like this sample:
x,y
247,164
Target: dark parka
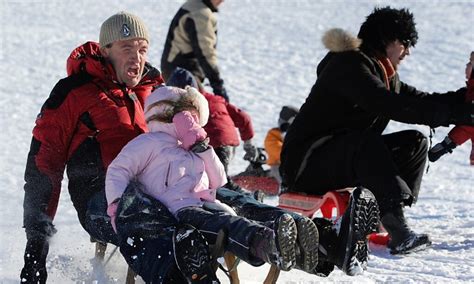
x,y
351,94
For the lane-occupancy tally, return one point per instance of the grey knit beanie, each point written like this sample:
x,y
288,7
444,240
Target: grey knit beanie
x,y
122,26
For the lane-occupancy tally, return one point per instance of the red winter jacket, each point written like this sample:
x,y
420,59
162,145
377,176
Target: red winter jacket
x,y
224,118
83,125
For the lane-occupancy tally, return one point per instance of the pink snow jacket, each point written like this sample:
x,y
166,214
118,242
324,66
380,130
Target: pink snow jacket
x,y
176,177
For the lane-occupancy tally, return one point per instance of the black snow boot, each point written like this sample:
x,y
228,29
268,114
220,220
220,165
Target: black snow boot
x,y
359,220
276,246
402,239
307,244
440,149
192,256
327,246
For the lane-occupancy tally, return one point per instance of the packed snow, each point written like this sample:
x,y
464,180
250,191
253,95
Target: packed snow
x,y
268,53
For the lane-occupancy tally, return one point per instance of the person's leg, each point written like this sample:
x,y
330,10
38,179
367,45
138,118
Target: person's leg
x,y
358,158
97,222
409,153
307,233
147,240
248,240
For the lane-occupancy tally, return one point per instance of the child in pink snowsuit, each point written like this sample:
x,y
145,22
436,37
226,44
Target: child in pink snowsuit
x,y
175,165
459,134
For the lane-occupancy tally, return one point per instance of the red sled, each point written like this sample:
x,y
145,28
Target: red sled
x,y
331,206
268,185
256,178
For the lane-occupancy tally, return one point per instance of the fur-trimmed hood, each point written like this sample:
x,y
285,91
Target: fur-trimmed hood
x,y
339,40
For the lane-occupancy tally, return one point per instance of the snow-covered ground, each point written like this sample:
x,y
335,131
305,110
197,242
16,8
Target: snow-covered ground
x,y
268,52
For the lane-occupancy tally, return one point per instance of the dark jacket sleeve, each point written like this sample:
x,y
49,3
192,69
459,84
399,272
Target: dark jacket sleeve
x,y
456,97
355,79
242,121
46,162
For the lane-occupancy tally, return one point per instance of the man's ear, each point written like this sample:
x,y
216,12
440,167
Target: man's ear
x,y
104,51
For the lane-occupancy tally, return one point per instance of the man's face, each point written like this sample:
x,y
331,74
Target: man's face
x,y
396,52
128,59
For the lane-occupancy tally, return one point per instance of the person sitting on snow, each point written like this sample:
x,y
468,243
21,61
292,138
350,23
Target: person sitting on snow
x,y
274,139
459,134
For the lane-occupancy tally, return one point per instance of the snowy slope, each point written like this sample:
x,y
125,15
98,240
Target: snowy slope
x,y
268,51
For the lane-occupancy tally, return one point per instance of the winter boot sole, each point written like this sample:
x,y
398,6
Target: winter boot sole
x,y
192,256
308,241
363,214
286,232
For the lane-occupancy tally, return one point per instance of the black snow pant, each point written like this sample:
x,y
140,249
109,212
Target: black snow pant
x,y
391,166
239,230
145,233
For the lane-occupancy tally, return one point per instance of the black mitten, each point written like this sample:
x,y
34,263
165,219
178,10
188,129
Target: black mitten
x,y
218,89
34,270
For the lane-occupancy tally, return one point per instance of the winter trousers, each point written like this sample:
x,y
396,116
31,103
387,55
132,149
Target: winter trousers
x,y
391,166
145,233
239,230
246,206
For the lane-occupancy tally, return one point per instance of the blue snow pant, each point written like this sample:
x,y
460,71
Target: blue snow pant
x,y
246,206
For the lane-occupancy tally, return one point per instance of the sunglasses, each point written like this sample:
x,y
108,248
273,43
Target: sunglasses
x,y
406,43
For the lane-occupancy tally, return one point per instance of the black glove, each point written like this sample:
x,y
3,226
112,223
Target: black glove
x,y
34,270
463,114
251,153
219,89
200,146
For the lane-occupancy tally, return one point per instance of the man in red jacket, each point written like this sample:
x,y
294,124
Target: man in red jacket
x,y
87,119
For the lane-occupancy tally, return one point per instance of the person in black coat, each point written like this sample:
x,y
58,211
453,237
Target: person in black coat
x,y
336,140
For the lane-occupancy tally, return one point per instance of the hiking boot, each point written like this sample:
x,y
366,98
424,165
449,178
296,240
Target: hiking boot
x,y
438,150
359,220
276,246
402,239
192,256
306,245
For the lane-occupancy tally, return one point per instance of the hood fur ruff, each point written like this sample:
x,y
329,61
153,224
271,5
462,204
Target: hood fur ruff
x,y
339,40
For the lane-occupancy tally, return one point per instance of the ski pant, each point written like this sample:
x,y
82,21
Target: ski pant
x,y
144,235
239,230
246,206
391,166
